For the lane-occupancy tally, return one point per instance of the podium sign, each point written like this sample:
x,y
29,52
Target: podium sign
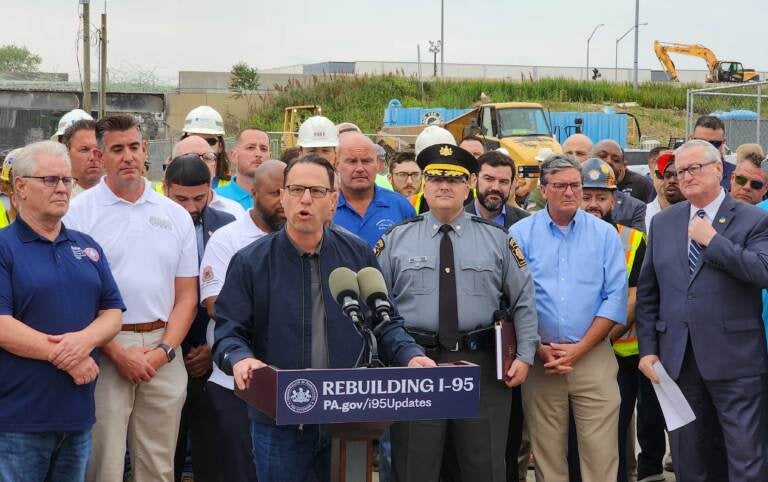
x,y
293,397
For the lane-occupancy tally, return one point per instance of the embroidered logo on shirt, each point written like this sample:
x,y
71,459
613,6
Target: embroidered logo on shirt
x,y
92,254
160,223
207,274
517,253
378,247
77,252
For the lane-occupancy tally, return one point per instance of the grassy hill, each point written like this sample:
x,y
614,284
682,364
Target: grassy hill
x,y
660,108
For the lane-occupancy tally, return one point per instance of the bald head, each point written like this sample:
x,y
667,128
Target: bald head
x,y
269,172
579,146
355,141
191,145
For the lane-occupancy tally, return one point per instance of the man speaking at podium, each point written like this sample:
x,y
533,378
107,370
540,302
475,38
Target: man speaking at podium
x,y
276,308
450,271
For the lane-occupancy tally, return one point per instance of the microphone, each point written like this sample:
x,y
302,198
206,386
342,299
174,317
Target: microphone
x,y
374,291
343,286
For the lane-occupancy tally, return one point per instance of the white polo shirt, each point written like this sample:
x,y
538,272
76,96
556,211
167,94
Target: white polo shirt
x,y
221,247
220,203
148,244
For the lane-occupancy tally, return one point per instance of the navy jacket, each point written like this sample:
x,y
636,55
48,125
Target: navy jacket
x,y
264,309
720,307
212,220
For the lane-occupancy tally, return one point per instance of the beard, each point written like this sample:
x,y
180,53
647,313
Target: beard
x,y
274,220
491,205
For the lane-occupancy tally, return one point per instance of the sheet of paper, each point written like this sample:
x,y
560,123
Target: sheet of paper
x,y
499,352
677,411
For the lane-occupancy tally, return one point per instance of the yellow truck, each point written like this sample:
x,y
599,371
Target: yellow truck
x,y
522,128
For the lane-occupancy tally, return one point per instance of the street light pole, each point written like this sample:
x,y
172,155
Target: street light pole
x,y
442,39
589,40
637,33
434,49
616,60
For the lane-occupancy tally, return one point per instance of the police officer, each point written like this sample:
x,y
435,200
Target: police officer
x,y
449,271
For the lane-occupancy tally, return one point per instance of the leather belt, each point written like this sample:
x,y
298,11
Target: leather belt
x,y
144,327
467,340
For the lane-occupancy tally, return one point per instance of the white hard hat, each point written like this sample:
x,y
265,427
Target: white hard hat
x,y
70,118
543,154
204,120
318,131
432,135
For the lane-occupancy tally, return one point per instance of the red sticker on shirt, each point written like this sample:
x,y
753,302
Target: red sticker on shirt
x,y
92,254
207,274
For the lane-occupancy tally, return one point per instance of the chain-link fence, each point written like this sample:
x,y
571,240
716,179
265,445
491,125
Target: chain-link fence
x,y
160,149
743,108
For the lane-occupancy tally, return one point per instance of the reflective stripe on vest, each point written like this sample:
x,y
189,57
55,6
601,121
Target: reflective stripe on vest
x,y
630,241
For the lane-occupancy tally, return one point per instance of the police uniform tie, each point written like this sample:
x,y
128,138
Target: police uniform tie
x,y
448,332
694,248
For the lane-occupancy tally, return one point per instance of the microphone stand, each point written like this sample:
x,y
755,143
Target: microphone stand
x,y
370,344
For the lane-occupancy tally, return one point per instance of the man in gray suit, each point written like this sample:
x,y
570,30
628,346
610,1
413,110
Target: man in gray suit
x,y
699,313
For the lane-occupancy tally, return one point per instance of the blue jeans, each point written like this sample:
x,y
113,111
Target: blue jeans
x,y
289,454
44,456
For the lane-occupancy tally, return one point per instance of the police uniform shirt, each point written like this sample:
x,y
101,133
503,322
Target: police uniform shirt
x,y
488,266
148,243
223,244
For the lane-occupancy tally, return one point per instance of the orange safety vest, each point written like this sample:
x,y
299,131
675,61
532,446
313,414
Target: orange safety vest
x,y
630,241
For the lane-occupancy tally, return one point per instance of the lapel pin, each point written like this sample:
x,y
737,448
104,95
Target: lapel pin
x,y
721,220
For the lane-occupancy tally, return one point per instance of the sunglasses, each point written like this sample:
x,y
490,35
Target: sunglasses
x,y
715,144
741,180
212,141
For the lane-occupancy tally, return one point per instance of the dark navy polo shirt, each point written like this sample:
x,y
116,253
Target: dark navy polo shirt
x,y
53,287
386,209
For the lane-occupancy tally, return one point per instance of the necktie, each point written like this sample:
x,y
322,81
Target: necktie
x,y
448,333
694,248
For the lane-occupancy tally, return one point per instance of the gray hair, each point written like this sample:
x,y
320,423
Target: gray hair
x,y
26,162
556,163
711,154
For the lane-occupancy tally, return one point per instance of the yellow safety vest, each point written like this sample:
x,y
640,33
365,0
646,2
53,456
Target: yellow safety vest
x,y
4,222
630,241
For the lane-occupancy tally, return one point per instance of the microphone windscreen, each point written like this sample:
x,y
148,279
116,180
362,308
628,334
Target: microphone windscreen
x,y
343,282
371,283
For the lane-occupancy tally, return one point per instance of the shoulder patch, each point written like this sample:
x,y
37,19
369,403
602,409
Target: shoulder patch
x,y
479,219
414,219
378,247
517,253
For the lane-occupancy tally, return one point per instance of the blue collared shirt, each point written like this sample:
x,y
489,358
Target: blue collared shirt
x,y
764,206
578,275
386,209
236,193
498,219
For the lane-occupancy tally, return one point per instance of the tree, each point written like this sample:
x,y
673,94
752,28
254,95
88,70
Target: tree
x,y
18,59
244,82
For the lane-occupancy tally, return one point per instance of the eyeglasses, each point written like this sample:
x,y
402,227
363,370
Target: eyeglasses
x,y
741,180
53,181
206,157
666,176
563,186
317,192
693,169
403,176
715,144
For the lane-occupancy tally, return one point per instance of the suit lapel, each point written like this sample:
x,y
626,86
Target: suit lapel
x,y
723,219
681,236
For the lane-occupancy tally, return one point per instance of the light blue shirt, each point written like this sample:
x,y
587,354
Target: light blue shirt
x,y
386,209
578,275
498,219
764,206
236,193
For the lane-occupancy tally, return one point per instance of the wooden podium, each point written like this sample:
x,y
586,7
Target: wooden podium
x,y
355,405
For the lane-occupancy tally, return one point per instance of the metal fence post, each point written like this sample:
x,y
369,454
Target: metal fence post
x,y
759,117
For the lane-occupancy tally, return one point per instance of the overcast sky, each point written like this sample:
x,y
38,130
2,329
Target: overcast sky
x,y
166,36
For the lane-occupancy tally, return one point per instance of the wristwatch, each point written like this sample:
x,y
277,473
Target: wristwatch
x,y
169,352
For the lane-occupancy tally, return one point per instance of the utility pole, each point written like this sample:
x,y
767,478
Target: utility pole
x,y
442,39
103,67
637,32
87,103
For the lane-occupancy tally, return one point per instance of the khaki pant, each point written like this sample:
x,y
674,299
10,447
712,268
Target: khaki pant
x,y
594,395
147,415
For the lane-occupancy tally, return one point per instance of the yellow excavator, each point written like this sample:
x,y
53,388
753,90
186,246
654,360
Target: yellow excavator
x,y
293,116
718,71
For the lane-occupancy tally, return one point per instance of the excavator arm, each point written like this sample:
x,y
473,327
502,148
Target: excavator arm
x,y
663,49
